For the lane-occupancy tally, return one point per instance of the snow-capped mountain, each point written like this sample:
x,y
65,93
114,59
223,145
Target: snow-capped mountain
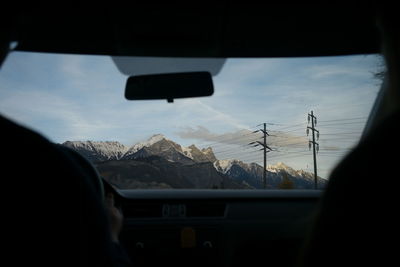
x,y
280,166
159,145
98,151
225,165
157,160
151,141
163,148
252,174
203,155
156,145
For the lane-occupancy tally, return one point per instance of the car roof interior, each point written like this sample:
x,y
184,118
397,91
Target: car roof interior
x,y
278,229
216,31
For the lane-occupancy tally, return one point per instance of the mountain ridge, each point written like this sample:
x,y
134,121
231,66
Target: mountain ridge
x,y
252,174
157,144
176,159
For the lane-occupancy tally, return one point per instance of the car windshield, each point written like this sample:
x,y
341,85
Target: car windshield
x,y
272,111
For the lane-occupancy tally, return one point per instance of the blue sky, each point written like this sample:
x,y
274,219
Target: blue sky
x,y
74,97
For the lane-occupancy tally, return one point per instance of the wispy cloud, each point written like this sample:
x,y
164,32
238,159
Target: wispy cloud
x,y
61,118
201,134
72,68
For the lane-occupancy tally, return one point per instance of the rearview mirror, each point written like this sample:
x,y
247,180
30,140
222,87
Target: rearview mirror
x,y
169,86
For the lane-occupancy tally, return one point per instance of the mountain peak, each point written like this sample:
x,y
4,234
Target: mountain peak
x,y
193,147
281,165
207,150
199,155
149,142
225,165
156,138
105,150
278,166
209,154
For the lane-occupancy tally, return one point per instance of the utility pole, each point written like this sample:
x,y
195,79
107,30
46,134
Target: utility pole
x,y
265,156
264,148
315,145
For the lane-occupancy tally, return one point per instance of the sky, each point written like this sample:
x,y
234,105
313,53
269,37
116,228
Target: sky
x,y
76,97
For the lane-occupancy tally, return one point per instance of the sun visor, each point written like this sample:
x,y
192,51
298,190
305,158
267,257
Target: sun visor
x,y
157,65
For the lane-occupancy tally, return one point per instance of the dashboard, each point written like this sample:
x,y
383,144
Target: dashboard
x,y
215,227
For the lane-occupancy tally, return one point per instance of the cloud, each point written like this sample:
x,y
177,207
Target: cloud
x,y
221,116
72,67
61,118
285,140
323,72
243,137
202,134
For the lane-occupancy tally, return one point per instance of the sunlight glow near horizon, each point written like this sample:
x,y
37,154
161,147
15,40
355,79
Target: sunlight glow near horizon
x,y
75,97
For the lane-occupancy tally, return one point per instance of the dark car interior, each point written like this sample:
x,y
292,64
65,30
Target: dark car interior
x,y
60,218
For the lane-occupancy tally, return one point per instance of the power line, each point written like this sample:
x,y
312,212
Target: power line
x,y
344,127
344,139
289,143
228,146
348,119
341,133
288,127
292,130
227,153
246,158
289,156
225,140
235,153
338,123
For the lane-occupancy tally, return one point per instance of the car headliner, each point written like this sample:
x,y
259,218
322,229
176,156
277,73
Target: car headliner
x,y
215,31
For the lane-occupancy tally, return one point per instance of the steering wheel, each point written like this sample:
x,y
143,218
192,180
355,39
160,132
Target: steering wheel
x,y
88,168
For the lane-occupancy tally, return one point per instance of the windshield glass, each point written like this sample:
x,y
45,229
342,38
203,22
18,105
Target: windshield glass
x,y
217,142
